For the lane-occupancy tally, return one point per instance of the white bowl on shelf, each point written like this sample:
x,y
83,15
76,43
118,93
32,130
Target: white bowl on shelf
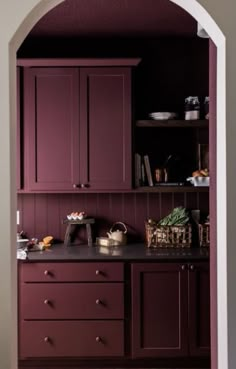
x,y
162,115
199,181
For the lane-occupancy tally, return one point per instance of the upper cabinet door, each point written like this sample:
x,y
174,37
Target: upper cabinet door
x,y
105,132
52,128
19,127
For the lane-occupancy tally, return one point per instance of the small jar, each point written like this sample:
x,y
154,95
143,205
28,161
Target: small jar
x,y
192,108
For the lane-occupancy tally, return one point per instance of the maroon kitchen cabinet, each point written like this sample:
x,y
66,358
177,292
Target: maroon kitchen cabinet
x,y
77,128
71,310
170,310
159,310
105,116
199,309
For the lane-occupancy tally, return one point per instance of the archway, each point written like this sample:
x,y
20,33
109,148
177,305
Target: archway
x,y
193,7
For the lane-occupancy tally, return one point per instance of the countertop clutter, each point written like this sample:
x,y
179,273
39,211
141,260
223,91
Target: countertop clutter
x,y
129,252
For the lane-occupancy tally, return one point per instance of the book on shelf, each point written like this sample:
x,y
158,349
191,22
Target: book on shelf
x,y
138,170
148,170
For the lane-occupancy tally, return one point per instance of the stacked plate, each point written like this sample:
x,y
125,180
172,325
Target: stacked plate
x,y
162,115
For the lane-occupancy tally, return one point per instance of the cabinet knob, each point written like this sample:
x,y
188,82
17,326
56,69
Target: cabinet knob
x,y
192,267
84,185
46,339
97,272
98,339
183,267
47,302
98,302
76,185
46,272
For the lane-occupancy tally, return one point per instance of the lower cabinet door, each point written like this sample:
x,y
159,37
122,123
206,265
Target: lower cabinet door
x,y
159,310
199,309
71,338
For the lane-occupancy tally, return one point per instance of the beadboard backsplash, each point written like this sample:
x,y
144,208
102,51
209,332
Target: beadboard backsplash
x,y
43,214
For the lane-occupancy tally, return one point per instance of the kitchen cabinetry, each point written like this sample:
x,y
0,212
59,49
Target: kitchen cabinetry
x,y
71,309
77,128
167,319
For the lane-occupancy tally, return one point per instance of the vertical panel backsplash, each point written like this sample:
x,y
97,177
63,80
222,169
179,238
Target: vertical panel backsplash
x,y
43,214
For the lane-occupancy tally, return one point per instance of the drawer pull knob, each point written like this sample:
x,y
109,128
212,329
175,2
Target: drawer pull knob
x,y
46,272
98,302
47,302
183,267
98,339
97,272
46,339
192,267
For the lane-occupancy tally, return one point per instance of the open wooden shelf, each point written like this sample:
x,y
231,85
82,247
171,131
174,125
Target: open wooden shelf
x,y
173,123
172,189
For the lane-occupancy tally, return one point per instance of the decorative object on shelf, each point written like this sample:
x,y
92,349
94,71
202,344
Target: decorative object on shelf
x,y
118,235
192,108
163,115
204,233
172,231
72,226
200,178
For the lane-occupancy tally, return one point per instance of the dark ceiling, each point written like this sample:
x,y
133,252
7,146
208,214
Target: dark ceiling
x,y
102,18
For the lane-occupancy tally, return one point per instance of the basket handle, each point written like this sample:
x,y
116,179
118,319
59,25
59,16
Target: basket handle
x,y
121,224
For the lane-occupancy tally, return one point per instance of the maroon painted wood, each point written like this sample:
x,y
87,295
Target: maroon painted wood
x,y
71,339
51,120
105,111
73,300
199,309
213,198
78,62
159,310
19,158
43,214
71,272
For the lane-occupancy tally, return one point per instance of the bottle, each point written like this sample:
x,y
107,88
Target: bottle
x,y
192,108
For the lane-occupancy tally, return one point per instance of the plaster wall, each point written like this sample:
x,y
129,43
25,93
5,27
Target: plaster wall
x,y
12,14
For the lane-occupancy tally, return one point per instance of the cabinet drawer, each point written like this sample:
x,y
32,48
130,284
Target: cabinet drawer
x,y
72,300
71,338
71,272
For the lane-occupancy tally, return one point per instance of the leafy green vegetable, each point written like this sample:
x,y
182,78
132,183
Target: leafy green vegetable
x,y
178,216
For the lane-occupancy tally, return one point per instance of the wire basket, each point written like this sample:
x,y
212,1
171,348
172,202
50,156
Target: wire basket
x,y
177,236
204,235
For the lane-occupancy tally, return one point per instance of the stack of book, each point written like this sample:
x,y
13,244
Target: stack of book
x,y
143,173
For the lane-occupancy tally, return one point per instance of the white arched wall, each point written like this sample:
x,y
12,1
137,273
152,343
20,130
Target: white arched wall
x,y
16,20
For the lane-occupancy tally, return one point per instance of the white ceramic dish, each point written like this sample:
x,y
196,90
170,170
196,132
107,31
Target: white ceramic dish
x,y
162,115
199,181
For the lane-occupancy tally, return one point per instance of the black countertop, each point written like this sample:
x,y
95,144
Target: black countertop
x,y
131,252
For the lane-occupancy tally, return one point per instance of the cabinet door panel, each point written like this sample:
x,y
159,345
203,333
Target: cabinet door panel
x,y
159,310
51,117
199,309
106,138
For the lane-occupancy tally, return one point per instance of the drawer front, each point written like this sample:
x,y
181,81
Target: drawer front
x,y
72,300
71,338
71,272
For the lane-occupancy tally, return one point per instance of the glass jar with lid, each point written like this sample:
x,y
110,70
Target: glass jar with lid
x,y
192,108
